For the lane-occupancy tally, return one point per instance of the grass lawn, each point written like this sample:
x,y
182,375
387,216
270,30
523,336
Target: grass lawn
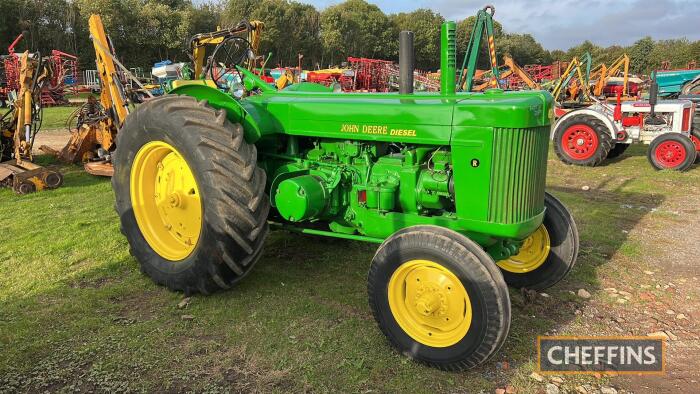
x,y
76,313
55,117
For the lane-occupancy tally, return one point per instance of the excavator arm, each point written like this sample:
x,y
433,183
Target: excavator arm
x,y
522,74
621,63
482,26
574,70
112,95
199,42
599,75
93,140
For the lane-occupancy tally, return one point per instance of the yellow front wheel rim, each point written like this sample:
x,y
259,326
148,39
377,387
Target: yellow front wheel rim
x,y
166,200
532,254
429,303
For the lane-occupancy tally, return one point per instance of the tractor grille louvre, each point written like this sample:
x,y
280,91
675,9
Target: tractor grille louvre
x,y
519,172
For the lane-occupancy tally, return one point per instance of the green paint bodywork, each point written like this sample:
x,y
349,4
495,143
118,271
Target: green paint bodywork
x,y
358,165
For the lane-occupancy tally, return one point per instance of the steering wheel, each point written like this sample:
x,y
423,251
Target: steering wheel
x,y
231,52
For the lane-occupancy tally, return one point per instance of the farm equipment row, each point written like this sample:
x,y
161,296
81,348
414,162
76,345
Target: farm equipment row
x,y
63,71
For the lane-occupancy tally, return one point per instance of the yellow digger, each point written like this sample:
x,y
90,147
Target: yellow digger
x,y
237,45
93,140
18,128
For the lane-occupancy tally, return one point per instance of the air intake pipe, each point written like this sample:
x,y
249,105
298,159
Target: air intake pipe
x,y
407,62
448,58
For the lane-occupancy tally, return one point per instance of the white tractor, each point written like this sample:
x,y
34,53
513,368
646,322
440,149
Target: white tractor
x,y
587,136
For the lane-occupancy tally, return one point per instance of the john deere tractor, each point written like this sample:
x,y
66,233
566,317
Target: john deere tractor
x,y
451,185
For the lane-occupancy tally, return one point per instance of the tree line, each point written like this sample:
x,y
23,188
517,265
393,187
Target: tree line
x,y
146,31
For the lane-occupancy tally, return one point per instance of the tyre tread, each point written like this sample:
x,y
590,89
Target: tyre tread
x,y
235,192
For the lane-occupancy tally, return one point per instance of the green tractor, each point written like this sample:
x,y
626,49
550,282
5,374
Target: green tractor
x,y
451,185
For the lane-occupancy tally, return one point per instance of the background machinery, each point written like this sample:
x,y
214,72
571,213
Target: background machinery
x,y
515,77
18,128
606,82
200,172
673,83
94,125
571,89
483,27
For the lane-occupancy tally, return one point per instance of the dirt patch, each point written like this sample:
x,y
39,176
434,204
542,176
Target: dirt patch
x,y
666,295
54,138
344,309
92,283
229,369
138,307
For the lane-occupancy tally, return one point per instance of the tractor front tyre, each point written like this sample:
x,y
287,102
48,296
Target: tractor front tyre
x,y
189,195
617,150
439,298
547,255
672,151
582,140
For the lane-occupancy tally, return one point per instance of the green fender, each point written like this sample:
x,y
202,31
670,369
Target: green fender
x,y
236,113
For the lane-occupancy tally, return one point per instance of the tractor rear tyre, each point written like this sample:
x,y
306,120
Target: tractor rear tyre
x,y
582,140
695,137
692,87
547,255
439,298
189,195
672,151
617,150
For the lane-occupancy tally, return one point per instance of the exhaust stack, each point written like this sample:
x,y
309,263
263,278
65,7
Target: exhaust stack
x,y
448,58
653,119
407,62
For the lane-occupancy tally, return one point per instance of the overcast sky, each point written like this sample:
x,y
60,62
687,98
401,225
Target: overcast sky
x,y
562,24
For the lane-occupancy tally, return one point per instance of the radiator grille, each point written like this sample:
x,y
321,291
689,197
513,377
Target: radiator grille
x,y
518,175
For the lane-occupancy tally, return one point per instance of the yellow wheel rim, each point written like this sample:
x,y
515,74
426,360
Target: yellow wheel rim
x,y
429,303
166,200
532,254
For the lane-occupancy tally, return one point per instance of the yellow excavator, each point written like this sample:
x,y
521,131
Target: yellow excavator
x,y
619,74
573,83
509,69
93,139
597,79
513,68
18,128
232,41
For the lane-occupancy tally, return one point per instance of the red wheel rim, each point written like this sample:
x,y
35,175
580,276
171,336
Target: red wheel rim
x,y
696,142
580,142
670,154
